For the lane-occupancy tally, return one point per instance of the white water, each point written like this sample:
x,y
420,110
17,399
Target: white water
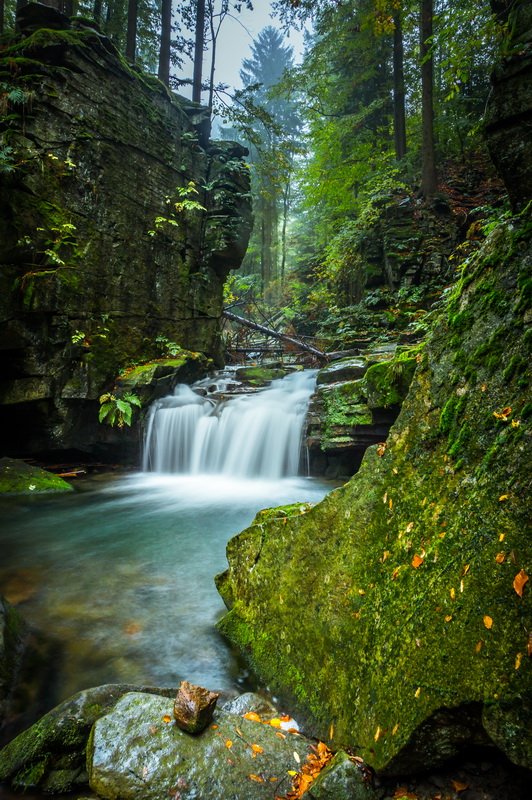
x,y
251,436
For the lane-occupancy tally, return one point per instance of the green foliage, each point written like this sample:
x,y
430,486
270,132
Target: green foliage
x,y
178,208
167,347
118,410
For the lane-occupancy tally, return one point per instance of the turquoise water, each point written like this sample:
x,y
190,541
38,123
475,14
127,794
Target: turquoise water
x,y
121,573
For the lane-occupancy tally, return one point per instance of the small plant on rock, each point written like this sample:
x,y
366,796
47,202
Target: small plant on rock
x,y
118,410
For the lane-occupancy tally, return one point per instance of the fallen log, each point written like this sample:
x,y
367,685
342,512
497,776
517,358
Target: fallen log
x,y
276,335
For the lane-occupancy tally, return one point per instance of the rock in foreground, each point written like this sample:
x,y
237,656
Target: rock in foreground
x,y
17,477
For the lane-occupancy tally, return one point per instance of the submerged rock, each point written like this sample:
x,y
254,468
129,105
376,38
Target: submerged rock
x,y
135,753
17,477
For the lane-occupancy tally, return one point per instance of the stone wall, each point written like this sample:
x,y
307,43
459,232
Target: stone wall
x,y
119,222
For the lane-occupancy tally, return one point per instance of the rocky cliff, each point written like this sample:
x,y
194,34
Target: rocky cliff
x,y
119,222
396,614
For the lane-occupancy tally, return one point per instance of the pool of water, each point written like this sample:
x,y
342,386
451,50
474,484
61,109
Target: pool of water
x,y
121,573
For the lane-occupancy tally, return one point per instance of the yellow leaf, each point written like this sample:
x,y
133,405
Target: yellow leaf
x,y
381,449
331,730
390,503
228,743
385,498
501,537
409,527
292,772
256,778
395,728
519,582
516,423
518,659
252,715
275,722
280,735
478,646
458,786
452,593
417,561
503,497
465,569
167,718
500,557
377,734
417,692
488,622
448,618
503,414
257,748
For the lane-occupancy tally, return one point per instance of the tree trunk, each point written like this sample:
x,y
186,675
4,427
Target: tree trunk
x,y
399,117
2,15
428,165
198,51
131,39
275,334
97,10
166,37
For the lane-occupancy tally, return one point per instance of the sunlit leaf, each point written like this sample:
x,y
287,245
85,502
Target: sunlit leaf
x,y
253,716
519,582
417,561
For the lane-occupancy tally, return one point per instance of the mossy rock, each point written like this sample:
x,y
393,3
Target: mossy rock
x,y
259,376
386,383
388,612
17,477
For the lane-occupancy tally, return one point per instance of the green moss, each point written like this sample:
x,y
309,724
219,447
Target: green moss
x,y
259,376
17,477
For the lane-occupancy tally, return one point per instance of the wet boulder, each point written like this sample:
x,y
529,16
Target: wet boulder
x,y
137,752
17,477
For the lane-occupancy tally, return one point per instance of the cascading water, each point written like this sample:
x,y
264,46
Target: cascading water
x,y
254,435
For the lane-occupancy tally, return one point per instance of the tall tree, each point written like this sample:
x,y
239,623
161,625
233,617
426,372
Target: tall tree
x,y
166,41
198,51
131,37
399,115
428,157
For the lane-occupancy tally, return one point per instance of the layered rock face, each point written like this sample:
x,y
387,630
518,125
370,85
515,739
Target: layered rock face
x,y
119,222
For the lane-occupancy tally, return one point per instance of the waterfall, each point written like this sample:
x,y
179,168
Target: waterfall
x,y
252,435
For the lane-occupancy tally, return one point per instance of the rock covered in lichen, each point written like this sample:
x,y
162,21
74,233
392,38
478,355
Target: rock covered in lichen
x,y
393,601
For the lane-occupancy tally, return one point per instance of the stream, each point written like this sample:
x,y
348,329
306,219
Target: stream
x,y
121,572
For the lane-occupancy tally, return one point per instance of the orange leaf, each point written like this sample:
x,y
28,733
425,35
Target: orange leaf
x,y
518,659
381,449
503,414
253,716
257,748
519,582
488,622
280,735
228,743
500,557
256,778
214,727
448,618
478,646
167,718
417,561
458,786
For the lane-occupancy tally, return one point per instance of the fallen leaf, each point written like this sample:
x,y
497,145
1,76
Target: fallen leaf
x,y
500,558
253,716
417,692
488,622
395,728
228,743
452,593
292,772
167,718
503,414
280,735
132,628
516,423
501,537
518,659
409,527
503,497
297,757
275,722
478,646
214,727
417,561
390,503
331,730
458,786
377,734
381,449
483,387
519,582
257,748
256,778
465,569
402,792
395,573
385,498
448,618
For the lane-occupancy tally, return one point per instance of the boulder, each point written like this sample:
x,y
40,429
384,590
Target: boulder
x,y
137,752
342,779
17,477
397,610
